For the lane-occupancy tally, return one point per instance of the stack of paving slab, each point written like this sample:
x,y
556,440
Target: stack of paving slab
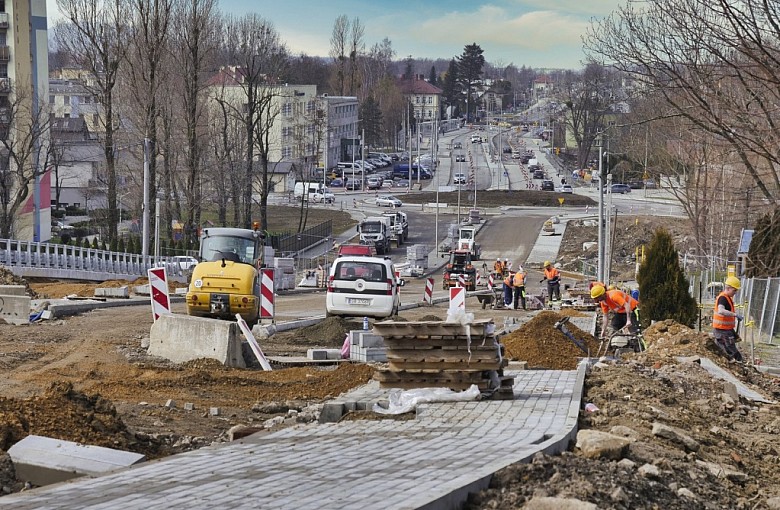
x,y
438,354
417,256
366,346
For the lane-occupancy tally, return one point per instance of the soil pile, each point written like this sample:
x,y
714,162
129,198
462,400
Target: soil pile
x,y
329,333
8,278
539,343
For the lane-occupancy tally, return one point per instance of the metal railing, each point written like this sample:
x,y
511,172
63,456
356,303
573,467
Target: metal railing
x,y
48,260
760,298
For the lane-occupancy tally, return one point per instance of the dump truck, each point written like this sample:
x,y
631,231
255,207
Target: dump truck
x,y
226,280
399,226
467,241
460,264
375,230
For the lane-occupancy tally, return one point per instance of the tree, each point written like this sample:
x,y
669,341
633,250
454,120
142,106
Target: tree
x,y
432,78
451,91
24,132
711,62
663,287
338,52
95,34
470,64
356,47
763,260
371,122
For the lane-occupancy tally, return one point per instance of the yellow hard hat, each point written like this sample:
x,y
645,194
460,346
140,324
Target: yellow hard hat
x,y
547,263
733,281
611,287
597,291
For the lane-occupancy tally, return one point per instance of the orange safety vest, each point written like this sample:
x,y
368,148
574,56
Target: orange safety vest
x,y
551,274
720,321
498,267
508,281
519,280
615,300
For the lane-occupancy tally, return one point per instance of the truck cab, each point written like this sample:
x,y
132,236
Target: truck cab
x,y
375,230
467,241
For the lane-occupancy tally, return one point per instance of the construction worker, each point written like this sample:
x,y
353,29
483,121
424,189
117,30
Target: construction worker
x,y
624,306
553,278
498,267
518,283
507,266
724,319
508,290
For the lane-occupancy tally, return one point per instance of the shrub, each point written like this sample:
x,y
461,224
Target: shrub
x,y
663,287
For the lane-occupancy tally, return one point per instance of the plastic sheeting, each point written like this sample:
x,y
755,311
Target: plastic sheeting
x,y
405,401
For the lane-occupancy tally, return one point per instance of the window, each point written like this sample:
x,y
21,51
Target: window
x,y
51,98
66,100
287,109
287,152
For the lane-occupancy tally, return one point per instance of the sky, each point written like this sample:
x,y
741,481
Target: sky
x,y
534,33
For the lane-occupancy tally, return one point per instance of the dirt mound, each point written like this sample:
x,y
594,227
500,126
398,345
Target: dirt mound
x,y
329,333
8,278
540,344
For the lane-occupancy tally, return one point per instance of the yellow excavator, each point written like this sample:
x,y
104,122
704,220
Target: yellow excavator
x,y
226,280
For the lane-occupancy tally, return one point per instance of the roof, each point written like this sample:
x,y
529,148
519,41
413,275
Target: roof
x,y
417,86
744,241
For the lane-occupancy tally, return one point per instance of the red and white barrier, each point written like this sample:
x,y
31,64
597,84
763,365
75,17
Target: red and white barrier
x,y
267,294
462,280
479,278
490,281
428,295
457,299
158,289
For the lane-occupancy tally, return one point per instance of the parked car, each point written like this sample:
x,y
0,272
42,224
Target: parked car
x,y
184,262
354,184
374,182
337,183
548,186
651,184
459,178
388,201
621,188
636,184
401,183
457,145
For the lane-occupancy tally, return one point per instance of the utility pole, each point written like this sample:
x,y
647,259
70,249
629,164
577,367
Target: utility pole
x,y
147,177
600,275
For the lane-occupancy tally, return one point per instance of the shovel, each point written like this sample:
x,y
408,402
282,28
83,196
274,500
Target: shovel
x,y
561,326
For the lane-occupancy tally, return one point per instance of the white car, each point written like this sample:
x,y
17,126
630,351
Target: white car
x,y
388,201
565,189
459,178
184,262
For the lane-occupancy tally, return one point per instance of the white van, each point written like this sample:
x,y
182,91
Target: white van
x,y
314,191
363,287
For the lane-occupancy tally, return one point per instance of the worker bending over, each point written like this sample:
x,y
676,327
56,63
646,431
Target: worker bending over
x,y
624,306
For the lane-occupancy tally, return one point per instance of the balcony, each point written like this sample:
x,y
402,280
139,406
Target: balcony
x,y
5,84
5,53
4,20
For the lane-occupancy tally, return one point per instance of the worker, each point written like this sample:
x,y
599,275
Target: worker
x,y
507,266
724,319
518,283
498,267
624,306
508,290
553,278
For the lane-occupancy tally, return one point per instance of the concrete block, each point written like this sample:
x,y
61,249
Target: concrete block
x,y
142,290
332,412
15,309
189,406
333,353
214,411
12,290
47,315
181,338
375,354
43,460
371,340
316,354
115,292
181,291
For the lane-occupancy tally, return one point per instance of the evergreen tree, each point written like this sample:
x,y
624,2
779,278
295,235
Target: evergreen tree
x,y
113,245
371,122
121,245
763,258
663,287
408,71
470,65
432,76
451,91
95,243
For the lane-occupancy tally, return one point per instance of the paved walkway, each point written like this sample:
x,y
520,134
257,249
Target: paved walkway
x,y
431,462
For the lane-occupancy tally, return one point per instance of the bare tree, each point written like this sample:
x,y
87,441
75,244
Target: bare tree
x,y
714,62
194,48
146,72
338,50
254,45
94,33
356,46
24,153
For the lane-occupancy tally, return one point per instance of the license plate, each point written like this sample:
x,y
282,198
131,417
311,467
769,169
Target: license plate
x,y
356,301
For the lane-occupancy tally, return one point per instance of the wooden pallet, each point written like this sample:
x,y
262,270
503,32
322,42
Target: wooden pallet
x,y
413,329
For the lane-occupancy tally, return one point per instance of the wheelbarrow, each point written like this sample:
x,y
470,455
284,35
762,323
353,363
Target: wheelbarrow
x,y
493,298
